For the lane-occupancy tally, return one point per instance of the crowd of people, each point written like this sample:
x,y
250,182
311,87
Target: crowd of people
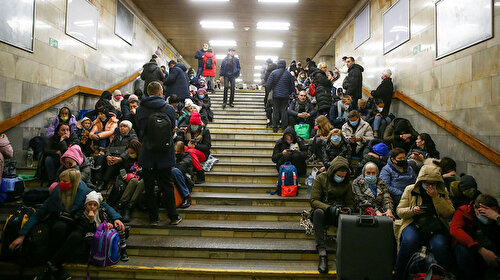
x,y
375,163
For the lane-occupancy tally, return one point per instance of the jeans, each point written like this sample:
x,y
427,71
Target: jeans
x,y
468,263
280,112
51,167
411,243
210,83
132,191
377,120
227,81
180,181
163,176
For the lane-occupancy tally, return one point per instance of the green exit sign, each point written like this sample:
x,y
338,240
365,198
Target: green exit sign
x,y
417,49
53,43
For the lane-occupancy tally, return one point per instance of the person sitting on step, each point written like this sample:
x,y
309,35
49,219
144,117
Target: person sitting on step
x,y
301,111
290,148
182,173
319,140
331,195
135,184
336,145
103,129
64,116
54,149
198,143
357,132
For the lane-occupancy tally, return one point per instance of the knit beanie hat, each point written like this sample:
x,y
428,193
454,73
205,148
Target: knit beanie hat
x,y
195,118
127,123
188,102
93,196
85,119
133,97
381,149
467,182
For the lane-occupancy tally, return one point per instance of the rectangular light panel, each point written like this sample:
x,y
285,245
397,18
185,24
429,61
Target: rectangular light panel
x,y
217,24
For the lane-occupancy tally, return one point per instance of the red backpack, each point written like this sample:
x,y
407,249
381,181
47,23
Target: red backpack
x,y
312,89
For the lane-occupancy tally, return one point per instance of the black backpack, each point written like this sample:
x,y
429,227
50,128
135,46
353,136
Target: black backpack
x,y
209,64
14,223
158,131
9,169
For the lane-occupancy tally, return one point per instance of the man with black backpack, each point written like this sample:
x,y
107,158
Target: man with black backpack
x,y
156,122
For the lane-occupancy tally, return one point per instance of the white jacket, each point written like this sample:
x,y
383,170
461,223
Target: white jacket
x,y
363,130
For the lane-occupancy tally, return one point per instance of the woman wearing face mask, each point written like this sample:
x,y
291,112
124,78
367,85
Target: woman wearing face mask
x,y
53,150
74,158
335,146
302,81
475,229
64,116
135,184
324,128
202,99
397,174
358,132
378,118
198,143
116,100
369,189
331,194
67,198
425,209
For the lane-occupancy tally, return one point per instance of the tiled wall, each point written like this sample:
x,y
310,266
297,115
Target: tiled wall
x,y
27,78
463,87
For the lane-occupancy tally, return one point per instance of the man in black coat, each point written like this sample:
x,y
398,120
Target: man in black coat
x,y
301,110
157,166
199,55
282,84
151,72
353,83
177,80
385,91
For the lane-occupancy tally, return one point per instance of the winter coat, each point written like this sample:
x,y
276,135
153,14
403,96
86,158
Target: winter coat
x,y
107,130
384,91
119,145
464,226
150,73
395,129
82,163
205,104
184,163
6,152
226,72
427,154
326,192
364,195
282,145
354,81
206,140
53,205
209,72
117,104
329,152
55,122
54,144
199,55
270,68
283,87
363,130
177,82
412,197
395,180
148,159
338,118
297,107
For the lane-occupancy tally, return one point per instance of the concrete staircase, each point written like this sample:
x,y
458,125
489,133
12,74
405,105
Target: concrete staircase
x,y
234,229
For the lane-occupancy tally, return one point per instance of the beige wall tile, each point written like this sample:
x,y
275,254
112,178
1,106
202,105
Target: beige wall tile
x,y
27,70
495,93
7,64
485,63
481,91
13,91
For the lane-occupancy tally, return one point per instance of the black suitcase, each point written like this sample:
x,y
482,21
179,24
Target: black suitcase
x,y
365,248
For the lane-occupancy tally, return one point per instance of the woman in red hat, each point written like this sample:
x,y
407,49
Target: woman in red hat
x,y
198,142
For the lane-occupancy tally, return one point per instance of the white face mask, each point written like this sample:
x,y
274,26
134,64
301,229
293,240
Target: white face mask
x,y
380,109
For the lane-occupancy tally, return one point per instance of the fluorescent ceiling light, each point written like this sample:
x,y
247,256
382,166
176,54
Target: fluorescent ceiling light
x,y
269,44
227,43
258,67
279,1
257,81
272,25
257,75
265,57
217,24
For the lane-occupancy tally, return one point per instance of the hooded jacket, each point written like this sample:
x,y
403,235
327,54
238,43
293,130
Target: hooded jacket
x,y
326,192
281,144
55,122
116,103
297,107
412,197
150,73
283,87
338,117
394,130
204,144
384,91
354,81
363,130
177,82
82,164
232,73
323,90
395,180
148,159
363,194
6,152
209,72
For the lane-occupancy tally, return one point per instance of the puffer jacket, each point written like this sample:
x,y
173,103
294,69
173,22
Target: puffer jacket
x,y
150,73
107,130
209,72
354,81
363,194
323,90
326,192
119,145
363,130
395,180
225,72
203,140
6,152
412,198
55,122
338,114
177,82
199,55
283,87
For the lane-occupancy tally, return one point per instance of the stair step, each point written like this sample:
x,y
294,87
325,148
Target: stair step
x,y
248,143
263,199
188,268
221,247
234,188
239,117
204,228
228,111
245,135
241,121
233,177
253,167
242,158
238,129
232,149
241,110
255,106
239,102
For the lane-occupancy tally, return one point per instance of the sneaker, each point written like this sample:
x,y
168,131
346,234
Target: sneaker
x,y
185,203
231,105
176,221
154,223
124,257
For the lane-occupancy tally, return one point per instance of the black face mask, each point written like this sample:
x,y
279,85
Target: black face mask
x,y
402,163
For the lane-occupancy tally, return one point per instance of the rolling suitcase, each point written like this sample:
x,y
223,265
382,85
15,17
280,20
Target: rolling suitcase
x,y
365,248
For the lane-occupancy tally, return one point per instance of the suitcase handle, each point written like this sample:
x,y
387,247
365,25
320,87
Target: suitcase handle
x,y
367,221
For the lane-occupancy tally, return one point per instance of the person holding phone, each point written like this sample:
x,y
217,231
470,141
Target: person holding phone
x,y
425,209
292,148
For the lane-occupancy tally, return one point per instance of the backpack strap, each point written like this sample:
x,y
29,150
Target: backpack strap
x,y
279,78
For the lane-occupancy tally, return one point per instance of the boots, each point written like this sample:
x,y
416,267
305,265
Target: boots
x,y
200,177
127,210
323,261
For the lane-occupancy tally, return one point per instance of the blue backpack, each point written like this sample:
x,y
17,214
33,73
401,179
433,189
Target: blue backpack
x,y
289,171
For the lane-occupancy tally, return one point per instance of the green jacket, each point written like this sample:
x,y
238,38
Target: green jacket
x,y
323,196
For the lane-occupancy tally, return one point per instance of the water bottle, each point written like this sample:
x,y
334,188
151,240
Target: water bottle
x,y
309,183
29,157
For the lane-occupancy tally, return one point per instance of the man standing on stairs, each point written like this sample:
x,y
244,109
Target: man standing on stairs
x,y
229,71
199,55
157,160
282,84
